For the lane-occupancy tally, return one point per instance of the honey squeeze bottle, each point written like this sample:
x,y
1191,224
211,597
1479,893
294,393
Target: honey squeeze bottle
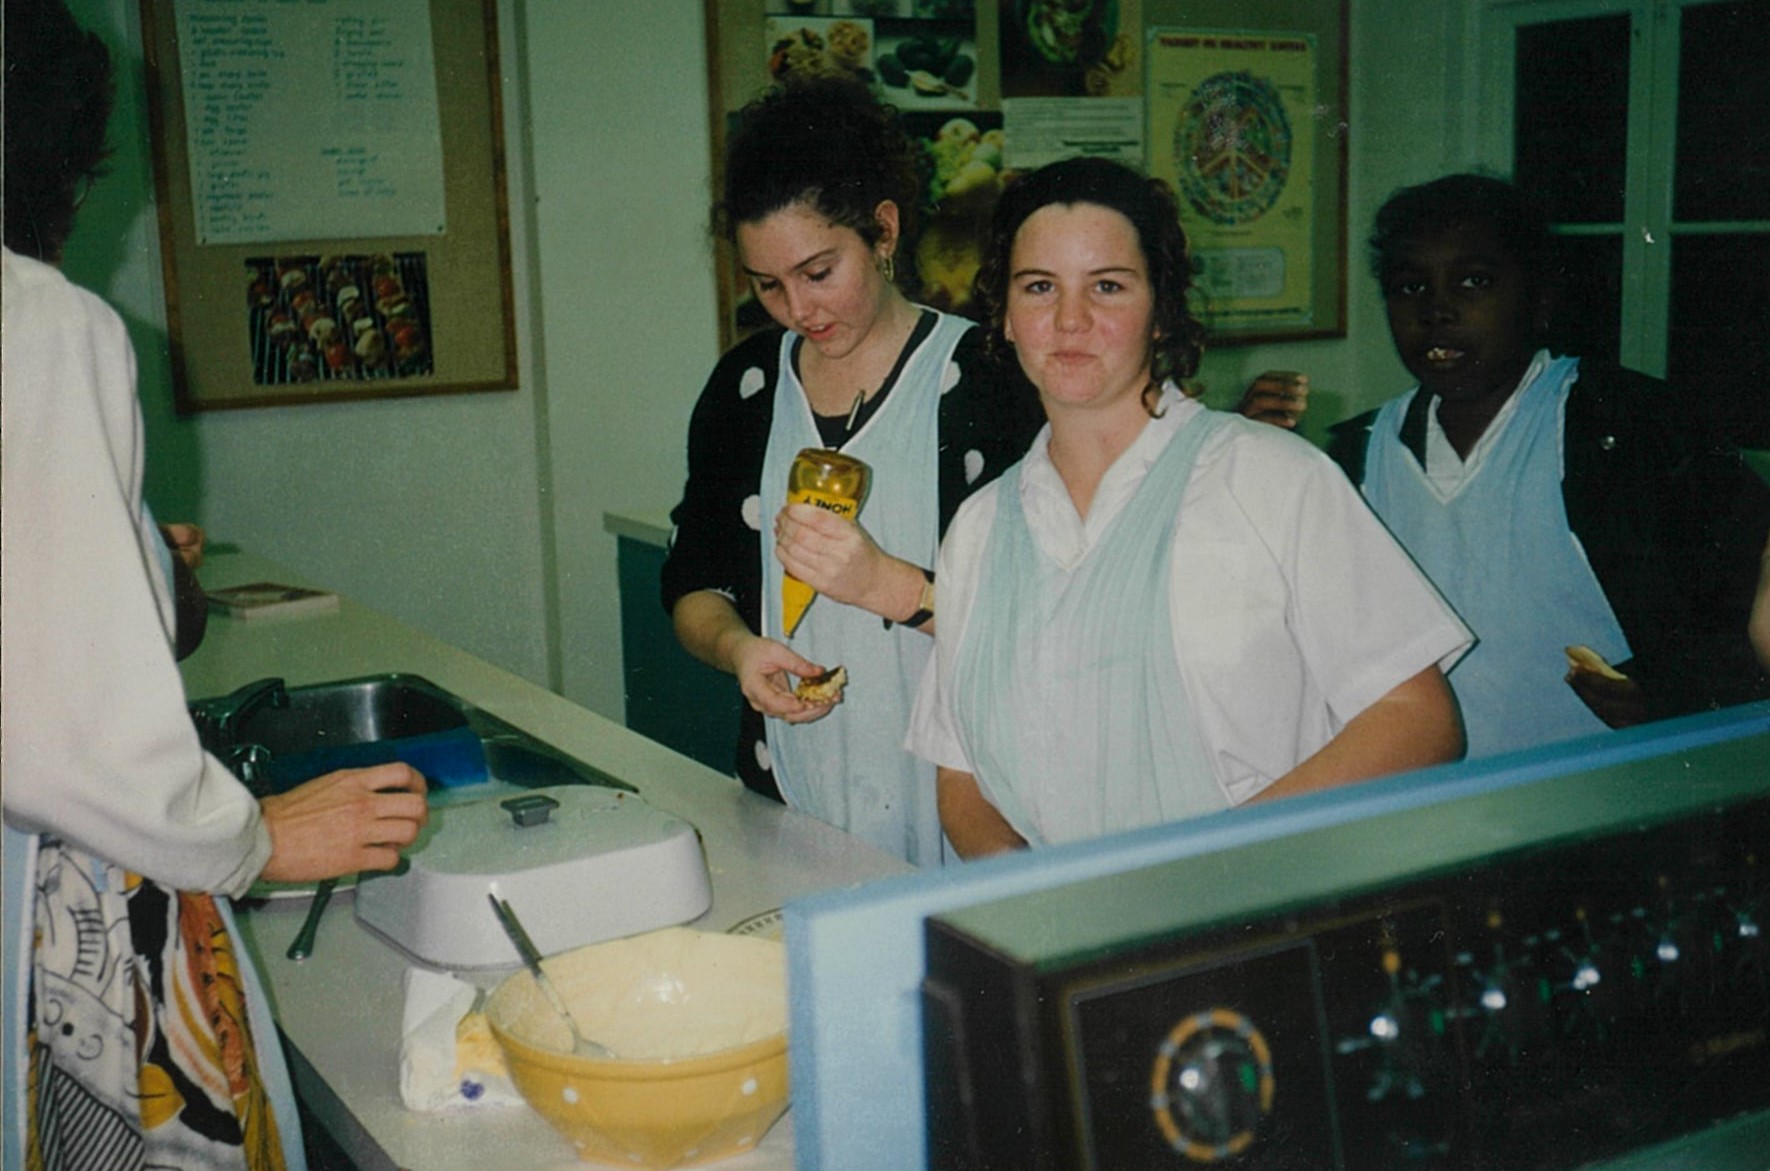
x,y
831,481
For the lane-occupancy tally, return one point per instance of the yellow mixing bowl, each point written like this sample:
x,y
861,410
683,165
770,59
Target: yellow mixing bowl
x,y
698,1021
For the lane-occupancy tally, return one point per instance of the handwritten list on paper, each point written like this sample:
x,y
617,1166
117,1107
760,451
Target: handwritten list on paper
x,y
311,119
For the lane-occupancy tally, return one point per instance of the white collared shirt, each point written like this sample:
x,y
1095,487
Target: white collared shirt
x,y
1293,609
1446,470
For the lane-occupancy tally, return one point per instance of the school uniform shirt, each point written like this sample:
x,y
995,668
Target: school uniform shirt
x,y
1666,517
1291,608
1492,532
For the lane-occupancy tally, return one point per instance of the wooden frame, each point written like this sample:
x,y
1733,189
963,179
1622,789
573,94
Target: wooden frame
x,y
740,54
420,304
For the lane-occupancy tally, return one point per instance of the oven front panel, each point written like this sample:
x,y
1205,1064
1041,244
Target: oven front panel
x,y
1541,1010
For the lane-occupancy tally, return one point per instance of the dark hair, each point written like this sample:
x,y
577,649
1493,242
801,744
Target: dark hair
x,y
1149,205
826,142
58,99
1458,201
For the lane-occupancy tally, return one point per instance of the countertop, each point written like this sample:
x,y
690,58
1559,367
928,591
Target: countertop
x,y
340,1009
646,527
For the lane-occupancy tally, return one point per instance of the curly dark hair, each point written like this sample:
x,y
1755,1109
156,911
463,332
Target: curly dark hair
x,y
827,142
58,99
1457,201
1149,204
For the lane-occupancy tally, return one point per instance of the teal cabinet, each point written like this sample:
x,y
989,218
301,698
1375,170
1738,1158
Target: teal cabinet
x,y
672,697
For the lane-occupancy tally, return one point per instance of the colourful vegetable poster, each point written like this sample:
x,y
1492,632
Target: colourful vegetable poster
x,y
1232,126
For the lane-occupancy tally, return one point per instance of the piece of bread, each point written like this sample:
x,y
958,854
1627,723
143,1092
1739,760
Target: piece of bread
x,y
825,688
476,1050
1585,660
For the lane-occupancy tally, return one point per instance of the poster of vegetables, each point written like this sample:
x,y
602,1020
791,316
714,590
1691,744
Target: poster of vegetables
x,y
967,168
1247,128
915,62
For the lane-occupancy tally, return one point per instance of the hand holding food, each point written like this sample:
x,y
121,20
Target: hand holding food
x,y
825,688
1585,660
767,671
1611,695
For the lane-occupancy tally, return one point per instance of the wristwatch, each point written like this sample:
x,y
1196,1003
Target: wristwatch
x,y
924,606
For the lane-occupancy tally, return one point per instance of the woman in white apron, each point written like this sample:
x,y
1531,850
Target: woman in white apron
x,y
1163,610
820,191
136,1034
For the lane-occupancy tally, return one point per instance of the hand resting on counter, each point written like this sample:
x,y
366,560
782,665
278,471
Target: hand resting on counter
x,y
350,820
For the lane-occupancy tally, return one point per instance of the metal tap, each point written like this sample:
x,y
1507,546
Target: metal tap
x,y
220,724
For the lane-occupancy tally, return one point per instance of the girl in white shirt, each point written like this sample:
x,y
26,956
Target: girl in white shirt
x,y
1163,610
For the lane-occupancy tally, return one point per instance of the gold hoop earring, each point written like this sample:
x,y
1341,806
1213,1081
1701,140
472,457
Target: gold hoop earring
x,y
888,268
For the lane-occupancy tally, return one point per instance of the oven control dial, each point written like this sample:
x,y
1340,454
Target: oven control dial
x,y
1211,1085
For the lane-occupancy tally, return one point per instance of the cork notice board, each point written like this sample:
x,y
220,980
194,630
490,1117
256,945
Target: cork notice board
x,y
1240,105
333,217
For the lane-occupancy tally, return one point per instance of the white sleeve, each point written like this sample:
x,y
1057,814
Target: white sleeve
x,y
933,734
1364,616
98,748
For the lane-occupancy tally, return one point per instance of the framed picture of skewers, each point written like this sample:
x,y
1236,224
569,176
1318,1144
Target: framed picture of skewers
x,y
322,238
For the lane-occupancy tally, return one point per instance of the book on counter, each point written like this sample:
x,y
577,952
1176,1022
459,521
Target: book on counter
x,y
265,599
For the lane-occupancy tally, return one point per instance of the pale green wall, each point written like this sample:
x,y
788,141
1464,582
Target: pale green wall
x,y
479,517
619,138
428,509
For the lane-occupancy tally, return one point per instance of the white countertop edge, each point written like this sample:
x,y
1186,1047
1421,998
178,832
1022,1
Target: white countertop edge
x,y
651,528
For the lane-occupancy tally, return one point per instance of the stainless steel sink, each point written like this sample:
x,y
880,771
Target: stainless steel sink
x,y
274,737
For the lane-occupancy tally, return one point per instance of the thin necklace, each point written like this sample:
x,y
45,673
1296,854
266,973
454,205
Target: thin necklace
x,y
860,394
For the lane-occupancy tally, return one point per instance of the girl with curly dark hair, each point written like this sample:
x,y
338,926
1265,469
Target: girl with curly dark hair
x,y
1163,610
1178,341
820,198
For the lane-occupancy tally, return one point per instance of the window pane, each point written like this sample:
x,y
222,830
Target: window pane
x,y
1588,318
1723,164
1720,318
1573,117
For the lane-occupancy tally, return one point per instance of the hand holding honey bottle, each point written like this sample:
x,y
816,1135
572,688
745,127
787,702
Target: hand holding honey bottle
x,y
837,484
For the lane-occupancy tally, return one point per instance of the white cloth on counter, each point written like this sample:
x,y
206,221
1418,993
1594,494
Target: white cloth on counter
x,y
441,1065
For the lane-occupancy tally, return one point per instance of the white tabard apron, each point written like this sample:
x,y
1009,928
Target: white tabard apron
x,y
850,768
1501,552
1066,692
